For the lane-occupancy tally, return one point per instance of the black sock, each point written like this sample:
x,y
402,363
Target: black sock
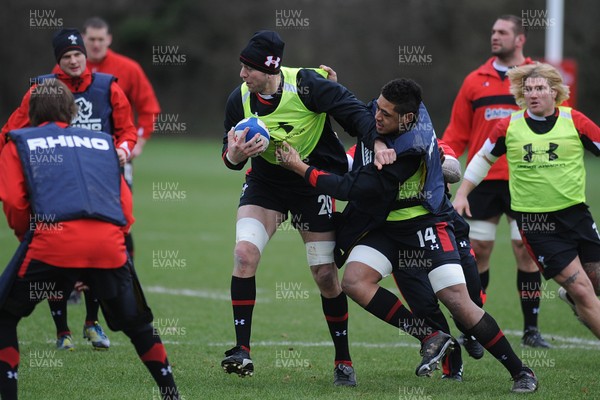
x,y
9,356
336,315
154,356
488,333
387,307
243,297
484,277
528,284
58,310
91,308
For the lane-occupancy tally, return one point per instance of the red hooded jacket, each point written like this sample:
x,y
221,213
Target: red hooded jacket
x,y
136,86
124,132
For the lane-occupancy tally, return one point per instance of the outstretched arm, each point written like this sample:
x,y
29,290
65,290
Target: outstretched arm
x,y
362,184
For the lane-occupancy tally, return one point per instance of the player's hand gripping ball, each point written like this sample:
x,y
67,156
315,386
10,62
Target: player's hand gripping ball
x,y
256,126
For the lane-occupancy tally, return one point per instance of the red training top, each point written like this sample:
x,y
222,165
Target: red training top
x,y
136,86
124,132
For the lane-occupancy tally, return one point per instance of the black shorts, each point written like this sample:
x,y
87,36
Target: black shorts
x,y
490,199
421,244
46,282
310,210
554,239
461,227
414,248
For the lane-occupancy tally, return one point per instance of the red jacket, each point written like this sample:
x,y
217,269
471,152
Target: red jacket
x,y
482,100
124,132
136,86
83,243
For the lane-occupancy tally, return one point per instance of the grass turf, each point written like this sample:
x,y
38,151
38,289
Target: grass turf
x,y
185,202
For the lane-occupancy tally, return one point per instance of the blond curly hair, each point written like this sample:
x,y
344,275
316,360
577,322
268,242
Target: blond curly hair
x,y
519,75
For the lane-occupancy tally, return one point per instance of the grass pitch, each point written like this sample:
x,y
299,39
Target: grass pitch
x,y
185,202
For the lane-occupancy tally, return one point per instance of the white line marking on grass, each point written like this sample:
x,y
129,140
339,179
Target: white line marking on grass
x,y
113,343
205,294
320,344
558,342
569,342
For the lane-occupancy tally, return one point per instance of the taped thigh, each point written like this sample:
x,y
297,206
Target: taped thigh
x,y
371,257
514,230
251,230
445,276
319,253
482,230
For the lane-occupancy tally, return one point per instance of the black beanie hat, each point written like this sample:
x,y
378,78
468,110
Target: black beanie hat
x,y
66,40
264,52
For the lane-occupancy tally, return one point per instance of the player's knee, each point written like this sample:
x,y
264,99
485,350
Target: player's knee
x,y
448,283
454,303
246,256
326,277
251,237
592,270
350,282
357,278
582,292
482,250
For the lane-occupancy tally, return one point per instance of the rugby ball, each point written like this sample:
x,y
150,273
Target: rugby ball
x,y
256,126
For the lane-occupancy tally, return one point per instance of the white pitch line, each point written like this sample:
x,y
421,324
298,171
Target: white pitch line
x,y
570,342
559,342
204,294
268,343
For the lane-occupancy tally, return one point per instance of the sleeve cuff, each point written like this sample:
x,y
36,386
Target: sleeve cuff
x,y
229,159
125,147
311,175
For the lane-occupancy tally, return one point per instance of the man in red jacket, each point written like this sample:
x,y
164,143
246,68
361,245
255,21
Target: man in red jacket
x,y
70,55
67,202
102,106
136,86
130,77
483,99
